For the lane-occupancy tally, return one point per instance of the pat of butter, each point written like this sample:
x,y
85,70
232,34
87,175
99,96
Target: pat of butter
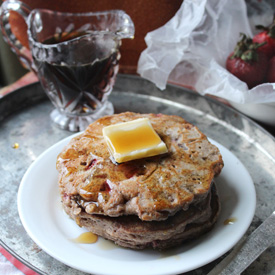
x,y
133,140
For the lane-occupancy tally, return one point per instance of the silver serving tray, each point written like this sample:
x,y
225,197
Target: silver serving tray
x,y
24,119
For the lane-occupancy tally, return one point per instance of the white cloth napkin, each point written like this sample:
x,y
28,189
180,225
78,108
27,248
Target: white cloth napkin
x,y
192,49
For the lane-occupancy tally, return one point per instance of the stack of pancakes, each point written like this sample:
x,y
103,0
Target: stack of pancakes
x,y
156,202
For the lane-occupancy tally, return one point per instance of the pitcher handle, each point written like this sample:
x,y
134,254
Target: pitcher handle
x,y
22,9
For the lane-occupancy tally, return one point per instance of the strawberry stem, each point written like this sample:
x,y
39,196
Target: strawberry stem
x,y
270,30
246,49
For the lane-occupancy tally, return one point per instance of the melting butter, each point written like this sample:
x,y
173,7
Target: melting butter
x,y
133,140
106,245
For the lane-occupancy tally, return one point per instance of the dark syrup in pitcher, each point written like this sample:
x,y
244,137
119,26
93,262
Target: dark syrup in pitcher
x,y
80,88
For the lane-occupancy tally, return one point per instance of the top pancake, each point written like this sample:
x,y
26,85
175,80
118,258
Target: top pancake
x,y
153,188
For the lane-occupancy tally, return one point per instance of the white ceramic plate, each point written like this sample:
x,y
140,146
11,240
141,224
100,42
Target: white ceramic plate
x,y
47,224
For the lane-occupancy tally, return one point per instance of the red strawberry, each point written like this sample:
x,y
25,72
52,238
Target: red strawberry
x,y
247,63
271,70
266,35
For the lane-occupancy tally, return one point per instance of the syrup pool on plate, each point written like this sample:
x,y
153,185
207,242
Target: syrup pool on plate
x,y
86,238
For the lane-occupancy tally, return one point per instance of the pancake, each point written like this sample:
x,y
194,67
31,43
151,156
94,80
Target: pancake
x,y
152,188
156,202
131,232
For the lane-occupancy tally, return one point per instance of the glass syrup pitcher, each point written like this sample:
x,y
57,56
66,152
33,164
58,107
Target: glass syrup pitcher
x,y
75,56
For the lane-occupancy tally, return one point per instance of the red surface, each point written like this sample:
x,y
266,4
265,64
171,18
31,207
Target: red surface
x,y
17,263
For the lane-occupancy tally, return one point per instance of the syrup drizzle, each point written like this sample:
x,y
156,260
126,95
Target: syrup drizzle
x,y
141,137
